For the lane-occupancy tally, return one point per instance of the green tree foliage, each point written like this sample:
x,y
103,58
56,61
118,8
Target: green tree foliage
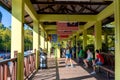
x,y
5,38
28,39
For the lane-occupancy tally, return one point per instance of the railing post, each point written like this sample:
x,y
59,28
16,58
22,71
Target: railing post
x,y
15,53
1,72
29,65
26,66
5,71
30,62
13,70
14,77
34,61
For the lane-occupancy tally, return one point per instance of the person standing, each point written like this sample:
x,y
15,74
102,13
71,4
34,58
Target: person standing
x,y
68,57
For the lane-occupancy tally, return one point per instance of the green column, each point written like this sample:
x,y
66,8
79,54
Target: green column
x,y
117,39
98,31
84,39
17,38
36,41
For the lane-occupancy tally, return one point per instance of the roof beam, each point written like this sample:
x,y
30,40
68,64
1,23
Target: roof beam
x,y
108,11
54,27
30,10
29,22
61,17
50,27
7,7
72,2
26,16
90,9
51,32
49,6
102,15
86,26
73,8
70,12
81,28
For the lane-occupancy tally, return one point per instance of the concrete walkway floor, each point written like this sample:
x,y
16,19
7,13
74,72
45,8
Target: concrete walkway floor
x,y
57,71
73,73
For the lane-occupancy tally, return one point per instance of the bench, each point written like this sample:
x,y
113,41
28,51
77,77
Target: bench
x,y
108,66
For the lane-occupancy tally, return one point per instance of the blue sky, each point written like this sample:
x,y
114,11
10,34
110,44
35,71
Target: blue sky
x,y
6,17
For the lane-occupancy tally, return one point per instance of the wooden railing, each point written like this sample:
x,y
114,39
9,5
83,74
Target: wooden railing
x,y
8,69
29,65
109,65
109,60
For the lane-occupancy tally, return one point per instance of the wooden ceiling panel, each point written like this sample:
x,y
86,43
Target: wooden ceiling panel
x,y
64,7
71,7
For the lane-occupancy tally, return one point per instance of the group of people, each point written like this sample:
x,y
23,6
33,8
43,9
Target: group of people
x,y
99,60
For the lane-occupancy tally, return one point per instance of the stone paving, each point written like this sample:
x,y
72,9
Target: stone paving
x,y
57,71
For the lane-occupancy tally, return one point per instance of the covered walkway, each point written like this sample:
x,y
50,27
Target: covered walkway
x,y
58,71
43,17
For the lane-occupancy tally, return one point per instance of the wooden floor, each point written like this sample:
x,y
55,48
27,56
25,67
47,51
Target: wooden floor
x,y
57,71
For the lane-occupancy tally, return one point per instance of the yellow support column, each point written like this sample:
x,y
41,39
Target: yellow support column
x,y
84,39
17,38
64,44
72,42
40,38
58,48
45,44
36,41
77,37
49,48
42,42
98,31
58,52
117,39
105,38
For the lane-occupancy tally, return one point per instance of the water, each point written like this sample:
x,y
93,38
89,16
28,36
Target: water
x,y
7,55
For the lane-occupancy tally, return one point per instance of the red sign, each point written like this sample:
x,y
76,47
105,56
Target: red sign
x,y
67,26
63,36
64,32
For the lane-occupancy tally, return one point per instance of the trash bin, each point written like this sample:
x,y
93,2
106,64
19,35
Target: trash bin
x,y
43,60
